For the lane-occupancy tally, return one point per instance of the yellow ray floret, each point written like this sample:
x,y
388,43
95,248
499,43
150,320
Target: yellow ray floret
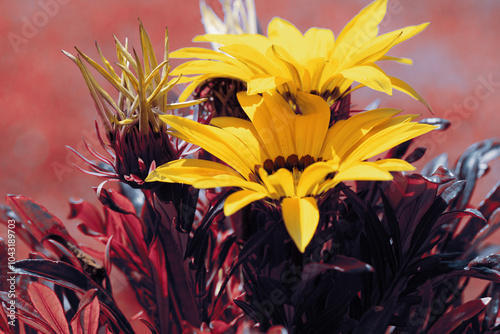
x,y
288,157
315,62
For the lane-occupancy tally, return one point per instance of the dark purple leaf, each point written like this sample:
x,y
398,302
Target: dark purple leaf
x,y
421,238
399,151
491,202
485,232
340,263
376,319
466,231
248,310
256,241
472,165
393,223
456,317
493,308
416,155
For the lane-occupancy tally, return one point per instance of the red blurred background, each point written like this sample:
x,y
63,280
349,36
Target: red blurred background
x,y
45,104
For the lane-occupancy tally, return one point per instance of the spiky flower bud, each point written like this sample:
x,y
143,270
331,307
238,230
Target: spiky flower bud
x,y
136,138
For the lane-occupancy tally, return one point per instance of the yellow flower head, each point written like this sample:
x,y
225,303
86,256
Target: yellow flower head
x,y
314,63
288,157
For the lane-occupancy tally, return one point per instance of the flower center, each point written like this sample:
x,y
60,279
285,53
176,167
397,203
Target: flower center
x,y
292,163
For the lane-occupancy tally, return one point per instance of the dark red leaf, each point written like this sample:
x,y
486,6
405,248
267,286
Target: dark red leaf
x,y
160,279
485,232
491,203
107,257
416,154
86,319
47,303
149,326
69,277
376,319
340,263
27,314
493,307
456,317
68,254
116,201
43,223
88,214
4,322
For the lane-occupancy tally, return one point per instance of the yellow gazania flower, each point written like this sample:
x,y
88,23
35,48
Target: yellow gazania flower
x,y
315,62
288,157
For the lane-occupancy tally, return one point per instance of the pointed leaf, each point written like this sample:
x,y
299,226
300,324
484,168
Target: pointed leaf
x,y
456,317
442,124
47,303
43,222
65,275
86,319
28,314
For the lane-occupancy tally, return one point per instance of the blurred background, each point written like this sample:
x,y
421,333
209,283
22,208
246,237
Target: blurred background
x,y
45,103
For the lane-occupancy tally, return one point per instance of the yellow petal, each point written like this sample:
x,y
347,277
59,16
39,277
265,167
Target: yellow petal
x,y
273,192
273,119
407,89
189,170
312,176
312,125
361,171
282,181
377,47
218,142
238,200
362,28
219,181
279,117
406,61
284,34
202,174
344,134
301,217
255,60
246,132
264,82
320,43
394,165
381,139
293,69
370,75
